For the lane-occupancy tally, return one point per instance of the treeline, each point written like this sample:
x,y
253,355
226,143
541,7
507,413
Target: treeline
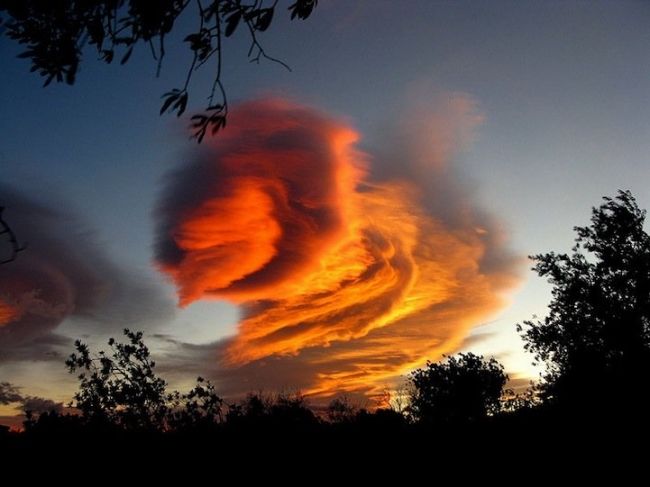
x,y
119,390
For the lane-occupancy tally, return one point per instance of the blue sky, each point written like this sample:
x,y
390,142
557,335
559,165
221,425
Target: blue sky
x,y
563,86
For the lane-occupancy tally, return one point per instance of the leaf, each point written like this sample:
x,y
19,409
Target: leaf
x,y
302,8
232,22
264,19
171,97
107,55
181,104
198,120
192,38
218,124
126,56
96,32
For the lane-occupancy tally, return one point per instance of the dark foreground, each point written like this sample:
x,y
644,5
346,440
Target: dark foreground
x,y
378,445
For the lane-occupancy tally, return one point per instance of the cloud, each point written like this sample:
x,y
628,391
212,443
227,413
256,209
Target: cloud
x,y
10,394
348,273
520,384
248,218
63,274
48,347
40,405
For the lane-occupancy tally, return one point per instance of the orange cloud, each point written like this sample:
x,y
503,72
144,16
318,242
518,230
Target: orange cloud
x,y
8,313
268,210
352,280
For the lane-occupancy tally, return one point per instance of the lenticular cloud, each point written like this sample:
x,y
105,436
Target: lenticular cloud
x,y
356,279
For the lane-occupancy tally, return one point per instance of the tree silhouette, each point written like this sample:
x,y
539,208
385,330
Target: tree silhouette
x,y
55,33
201,408
285,410
120,388
341,410
461,388
595,340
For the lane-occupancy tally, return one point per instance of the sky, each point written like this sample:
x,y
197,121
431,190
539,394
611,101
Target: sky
x,y
371,209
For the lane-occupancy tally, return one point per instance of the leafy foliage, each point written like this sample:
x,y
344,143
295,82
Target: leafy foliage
x,y
201,408
55,33
121,387
461,388
259,410
595,339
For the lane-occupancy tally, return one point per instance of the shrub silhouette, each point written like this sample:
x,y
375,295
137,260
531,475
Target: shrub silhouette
x,y
341,410
259,411
461,388
120,388
200,409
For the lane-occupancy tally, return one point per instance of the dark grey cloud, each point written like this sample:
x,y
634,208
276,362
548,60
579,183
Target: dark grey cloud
x,y
40,405
64,274
10,394
48,347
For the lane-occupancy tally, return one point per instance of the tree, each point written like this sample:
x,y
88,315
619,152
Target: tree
x,y
341,410
285,410
55,33
201,408
595,340
120,388
461,388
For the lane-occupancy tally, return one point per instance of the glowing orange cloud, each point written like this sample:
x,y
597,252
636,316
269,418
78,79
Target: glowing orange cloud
x,y
352,277
8,313
268,210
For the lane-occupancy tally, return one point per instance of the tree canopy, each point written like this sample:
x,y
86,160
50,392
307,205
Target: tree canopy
x,y
595,339
55,32
461,388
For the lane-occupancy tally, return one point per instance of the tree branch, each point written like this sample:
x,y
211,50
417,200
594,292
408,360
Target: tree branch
x,y
13,240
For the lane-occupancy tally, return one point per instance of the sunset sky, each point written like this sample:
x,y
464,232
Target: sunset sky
x,y
367,211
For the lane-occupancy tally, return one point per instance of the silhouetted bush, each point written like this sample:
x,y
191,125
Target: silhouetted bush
x,y
120,387
459,389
